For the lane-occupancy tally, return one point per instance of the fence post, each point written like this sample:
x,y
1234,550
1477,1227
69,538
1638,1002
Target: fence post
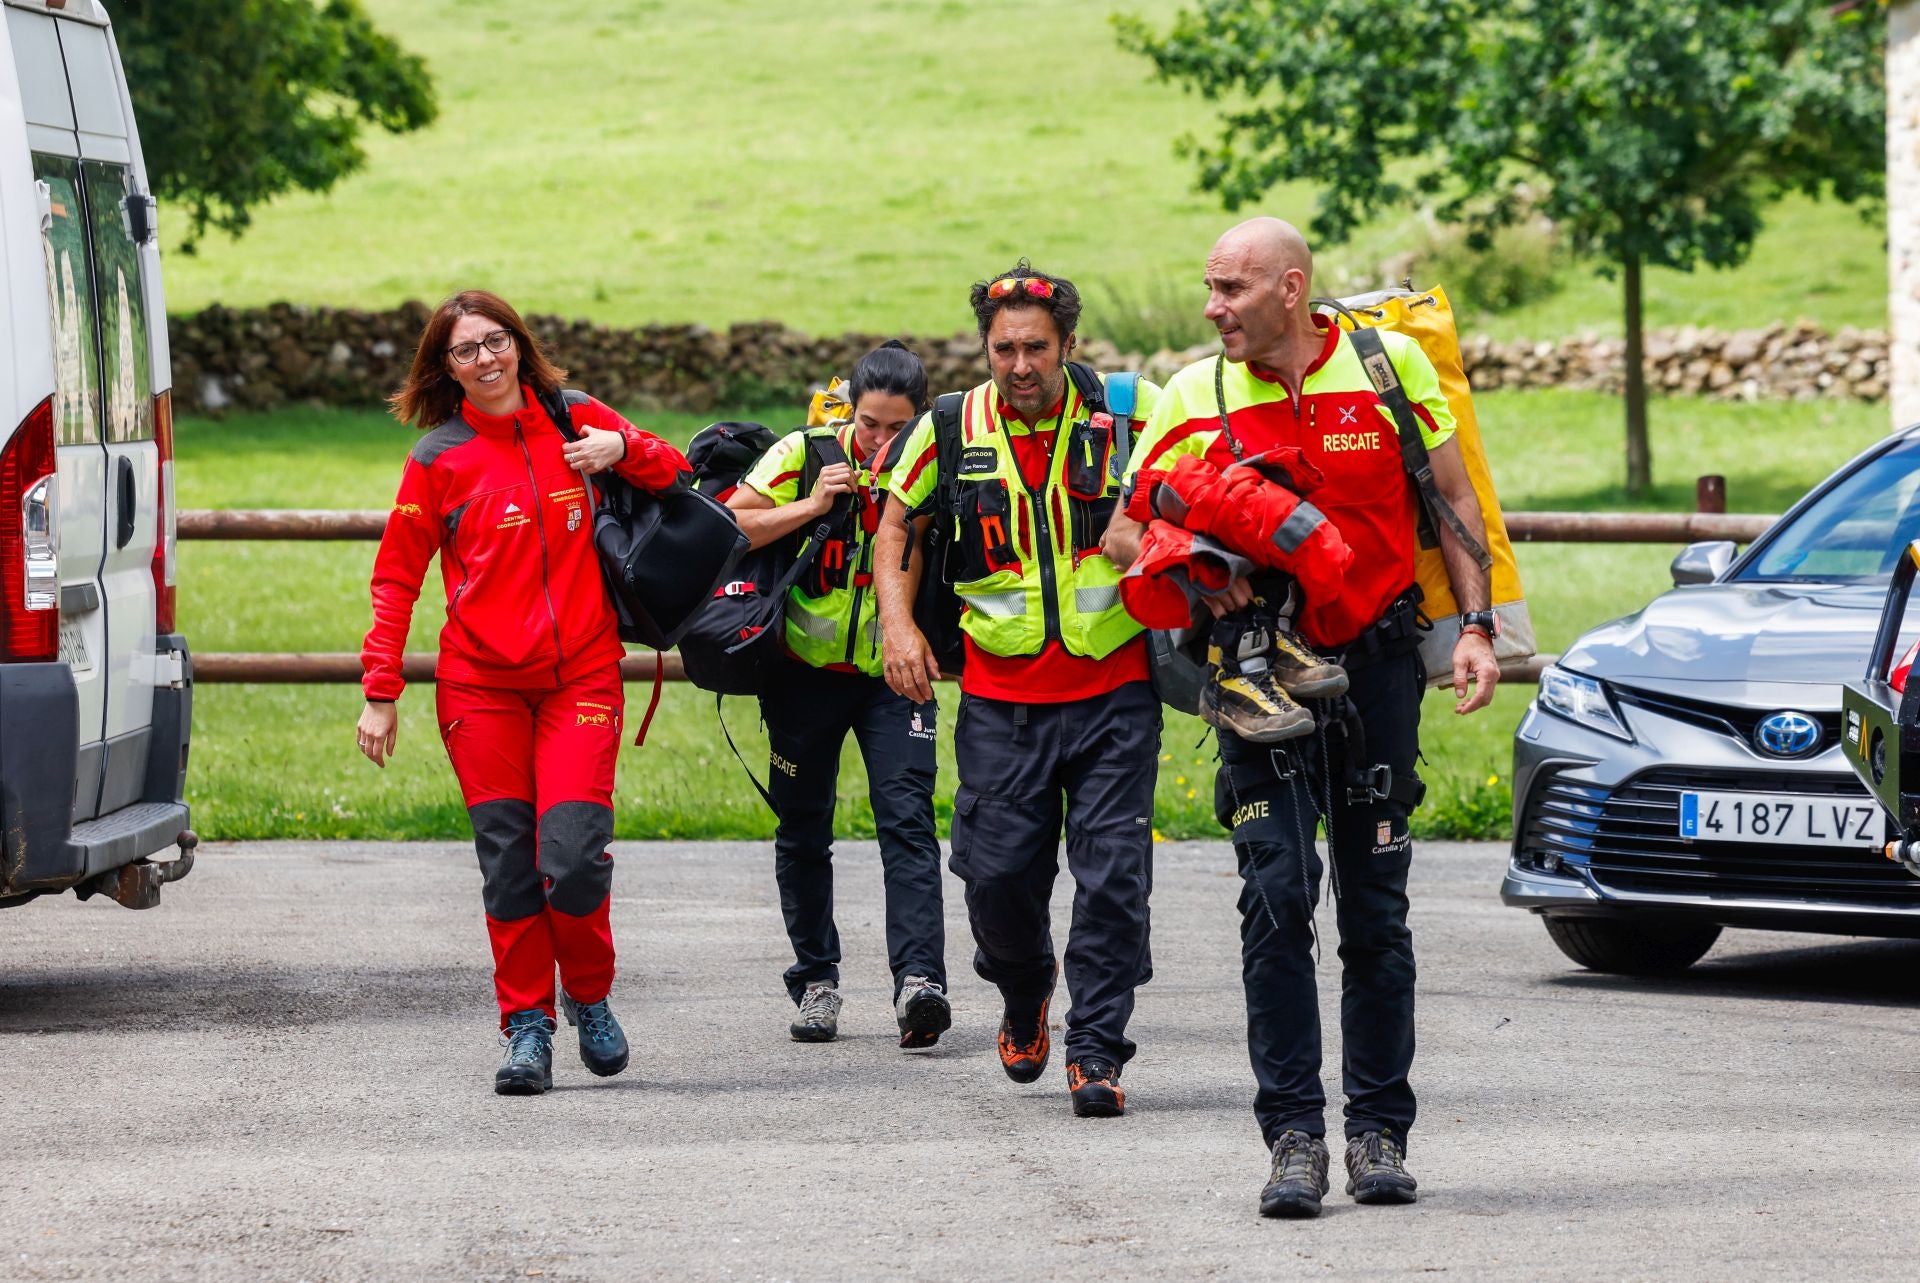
x,y
1710,494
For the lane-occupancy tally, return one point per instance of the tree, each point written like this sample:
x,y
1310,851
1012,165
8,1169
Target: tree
x,y
1652,132
240,100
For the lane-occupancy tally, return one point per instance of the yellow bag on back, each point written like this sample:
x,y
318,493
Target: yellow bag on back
x,y
1427,318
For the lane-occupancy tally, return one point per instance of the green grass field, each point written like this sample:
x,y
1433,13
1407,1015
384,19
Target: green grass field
x,y
844,167
280,761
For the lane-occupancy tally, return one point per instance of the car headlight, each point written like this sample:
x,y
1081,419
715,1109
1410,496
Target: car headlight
x,y
1582,700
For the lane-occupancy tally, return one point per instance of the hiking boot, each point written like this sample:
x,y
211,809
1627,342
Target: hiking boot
x,y
819,1018
527,1069
1299,1178
603,1044
1250,703
1024,1046
1377,1170
923,1012
1094,1084
1303,673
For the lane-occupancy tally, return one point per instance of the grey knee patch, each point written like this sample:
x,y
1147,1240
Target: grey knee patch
x,y
573,855
503,837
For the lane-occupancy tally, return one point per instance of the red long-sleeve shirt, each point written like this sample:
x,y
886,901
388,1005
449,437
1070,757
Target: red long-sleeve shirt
x,y
526,606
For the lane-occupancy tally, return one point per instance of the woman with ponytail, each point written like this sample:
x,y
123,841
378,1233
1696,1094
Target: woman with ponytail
x,y
833,686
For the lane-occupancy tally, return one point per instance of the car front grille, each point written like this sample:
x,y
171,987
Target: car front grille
x,y
1726,719
1627,839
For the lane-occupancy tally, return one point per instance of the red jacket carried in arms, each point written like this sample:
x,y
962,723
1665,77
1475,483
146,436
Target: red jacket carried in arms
x,y
513,524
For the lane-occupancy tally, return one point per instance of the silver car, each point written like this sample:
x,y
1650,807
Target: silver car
x,y
1680,770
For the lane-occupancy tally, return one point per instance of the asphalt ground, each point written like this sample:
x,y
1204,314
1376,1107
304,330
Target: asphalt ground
x,y
284,1072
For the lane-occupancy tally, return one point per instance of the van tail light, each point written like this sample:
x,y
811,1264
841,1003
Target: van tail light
x,y
166,539
30,541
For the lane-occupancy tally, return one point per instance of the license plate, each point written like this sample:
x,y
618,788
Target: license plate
x,y
1800,821
73,646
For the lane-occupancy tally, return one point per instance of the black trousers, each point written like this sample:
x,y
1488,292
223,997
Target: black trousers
x,y
808,716
1271,797
1016,763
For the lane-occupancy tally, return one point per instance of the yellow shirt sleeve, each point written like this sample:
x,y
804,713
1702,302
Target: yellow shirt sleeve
x,y
914,478
776,475
1422,383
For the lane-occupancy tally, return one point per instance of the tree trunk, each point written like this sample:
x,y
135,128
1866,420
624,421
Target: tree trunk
x,y
1639,452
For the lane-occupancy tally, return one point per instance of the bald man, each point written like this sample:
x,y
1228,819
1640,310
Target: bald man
x,y
1290,378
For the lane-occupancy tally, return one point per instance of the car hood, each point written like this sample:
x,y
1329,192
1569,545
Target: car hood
x,y
1750,644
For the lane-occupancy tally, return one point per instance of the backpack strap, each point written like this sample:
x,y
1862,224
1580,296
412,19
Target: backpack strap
x,y
752,779
1123,398
1413,447
559,407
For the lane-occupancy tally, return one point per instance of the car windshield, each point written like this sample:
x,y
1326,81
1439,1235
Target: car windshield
x,y
1855,532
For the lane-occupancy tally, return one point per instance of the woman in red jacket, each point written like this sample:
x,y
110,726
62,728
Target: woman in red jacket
x,y
529,700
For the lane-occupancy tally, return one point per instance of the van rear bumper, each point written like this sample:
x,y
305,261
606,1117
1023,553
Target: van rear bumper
x,y
41,849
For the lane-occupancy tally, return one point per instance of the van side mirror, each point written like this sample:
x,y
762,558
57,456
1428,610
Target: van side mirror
x,y
143,222
1702,563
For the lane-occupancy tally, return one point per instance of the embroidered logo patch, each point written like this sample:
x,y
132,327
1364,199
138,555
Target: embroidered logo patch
x,y
979,461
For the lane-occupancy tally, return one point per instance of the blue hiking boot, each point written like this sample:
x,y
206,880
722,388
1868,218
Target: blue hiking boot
x,y
603,1044
527,1069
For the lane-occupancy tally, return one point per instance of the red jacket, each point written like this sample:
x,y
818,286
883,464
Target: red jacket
x,y
526,607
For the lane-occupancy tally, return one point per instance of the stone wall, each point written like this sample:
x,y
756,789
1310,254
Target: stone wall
x,y
260,358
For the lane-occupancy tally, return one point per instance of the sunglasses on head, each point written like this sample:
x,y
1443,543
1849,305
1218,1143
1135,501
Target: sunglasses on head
x,y
1031,286
496,342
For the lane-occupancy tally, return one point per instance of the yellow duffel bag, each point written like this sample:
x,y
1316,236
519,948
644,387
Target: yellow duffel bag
x,y
1426,317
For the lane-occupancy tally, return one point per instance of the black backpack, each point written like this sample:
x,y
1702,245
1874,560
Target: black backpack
x,y
662,553
734,645
723,453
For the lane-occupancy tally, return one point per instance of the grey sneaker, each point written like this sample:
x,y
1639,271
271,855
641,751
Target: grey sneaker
x,y
1377,1170
1299,1179
819,1018
923,1012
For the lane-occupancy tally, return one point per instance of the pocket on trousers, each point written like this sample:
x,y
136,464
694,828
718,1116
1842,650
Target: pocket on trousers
x,y
965,803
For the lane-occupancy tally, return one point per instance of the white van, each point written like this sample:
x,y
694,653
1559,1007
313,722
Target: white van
x,y
95,684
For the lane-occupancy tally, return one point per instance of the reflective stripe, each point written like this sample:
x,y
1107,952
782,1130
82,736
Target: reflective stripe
x,y
1300,524
1091,601
819,627
1003,605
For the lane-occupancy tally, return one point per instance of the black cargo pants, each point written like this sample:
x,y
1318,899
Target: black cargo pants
x,y
808,716
1016,762
1271,796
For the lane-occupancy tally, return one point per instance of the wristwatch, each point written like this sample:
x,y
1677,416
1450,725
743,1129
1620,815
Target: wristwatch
x,y
1484,620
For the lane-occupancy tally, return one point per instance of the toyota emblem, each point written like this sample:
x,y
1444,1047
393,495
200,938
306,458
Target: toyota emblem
x,y
1788,734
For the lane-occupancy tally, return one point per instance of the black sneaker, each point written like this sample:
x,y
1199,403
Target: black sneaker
x,y
1299,1178
1252,705
1377,1170
527,1069
1094,1084
1302,672
922,1011
603,1044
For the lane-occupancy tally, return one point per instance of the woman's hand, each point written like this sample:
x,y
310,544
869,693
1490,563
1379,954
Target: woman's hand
x,y
595,451
379,725
835,480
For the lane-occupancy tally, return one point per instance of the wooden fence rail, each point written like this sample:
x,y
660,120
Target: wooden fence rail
x,y
343,667
1522,527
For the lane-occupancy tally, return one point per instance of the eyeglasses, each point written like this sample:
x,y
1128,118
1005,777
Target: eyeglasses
x,y
467,353
1031,286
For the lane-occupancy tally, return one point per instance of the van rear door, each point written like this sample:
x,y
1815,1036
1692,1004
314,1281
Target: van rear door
x,y
53,136
131,526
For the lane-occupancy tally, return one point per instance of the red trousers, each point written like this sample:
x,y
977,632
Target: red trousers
x,y
536,771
